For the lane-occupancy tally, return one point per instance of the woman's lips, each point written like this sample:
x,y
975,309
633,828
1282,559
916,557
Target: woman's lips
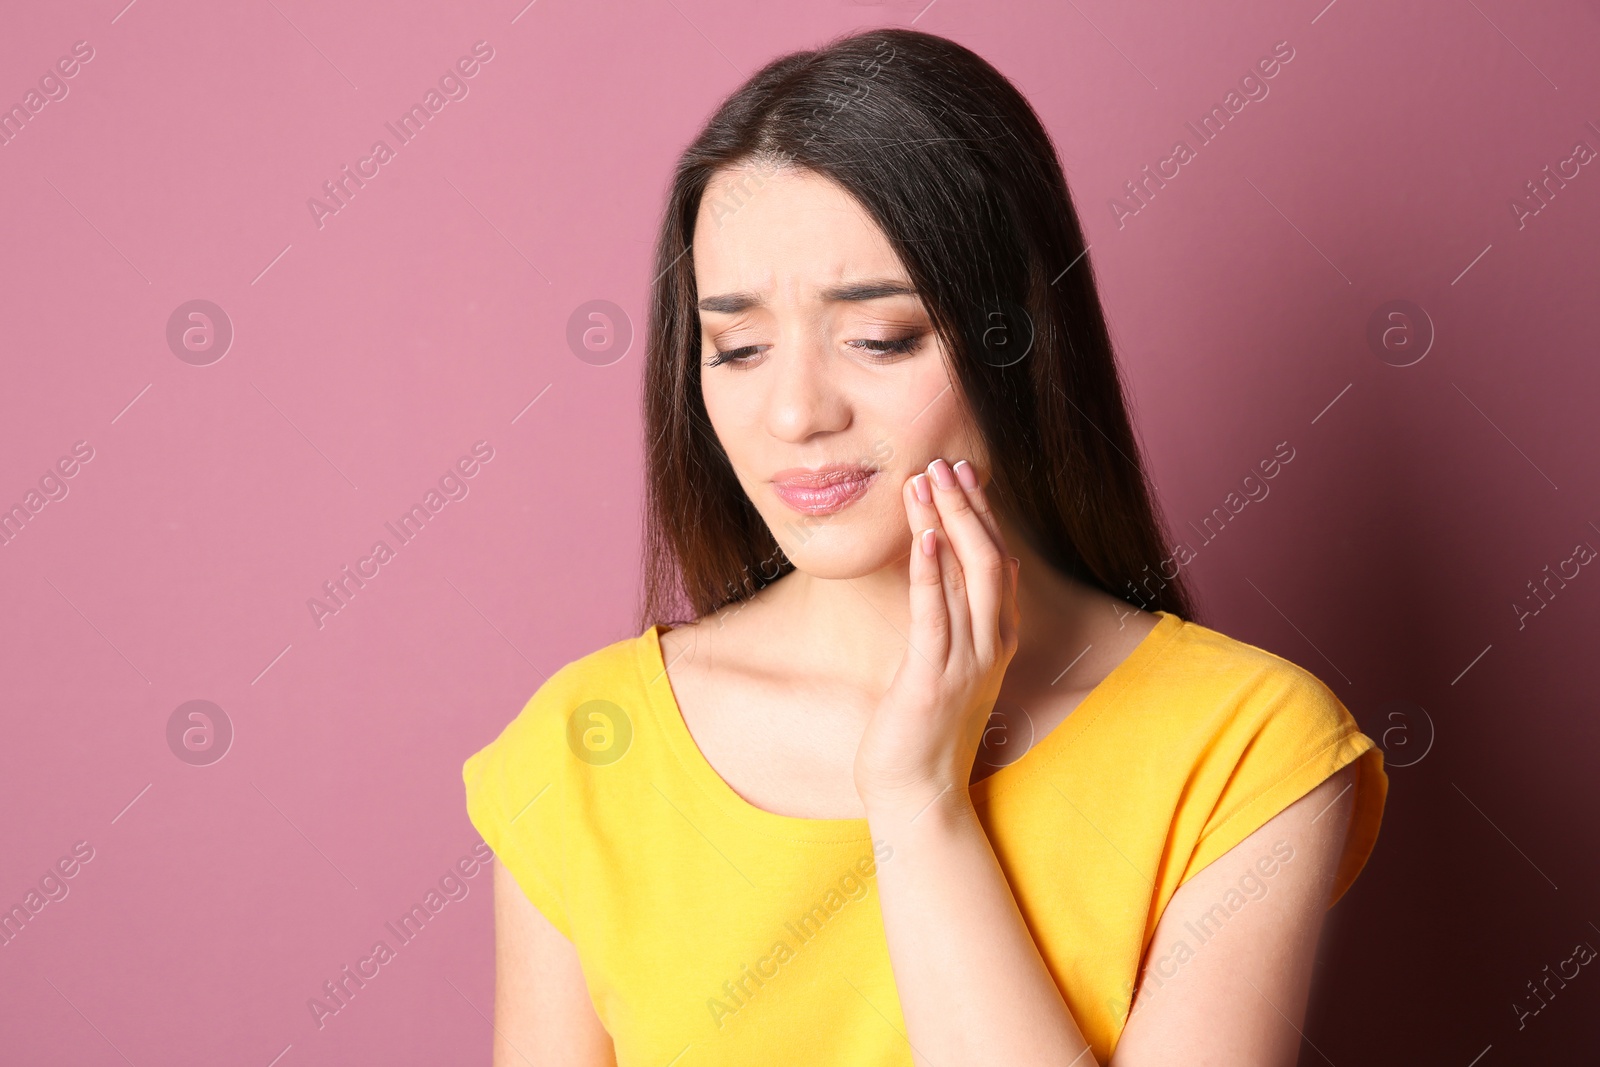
x,y
824,491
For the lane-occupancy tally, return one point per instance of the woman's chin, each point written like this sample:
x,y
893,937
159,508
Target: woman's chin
x,y
837,569
847,557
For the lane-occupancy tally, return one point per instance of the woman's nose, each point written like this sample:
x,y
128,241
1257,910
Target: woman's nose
x,y
805,397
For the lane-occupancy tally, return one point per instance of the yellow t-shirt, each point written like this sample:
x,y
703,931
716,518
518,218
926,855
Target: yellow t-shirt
x,y
712,931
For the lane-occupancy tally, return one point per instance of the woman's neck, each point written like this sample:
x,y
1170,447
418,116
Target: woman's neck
x,y
855,630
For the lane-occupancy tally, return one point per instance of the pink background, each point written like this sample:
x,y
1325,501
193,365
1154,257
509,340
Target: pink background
x,y
427,314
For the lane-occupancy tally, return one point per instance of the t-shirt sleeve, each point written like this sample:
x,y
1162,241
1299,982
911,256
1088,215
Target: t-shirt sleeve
x,y
1283,735
515,799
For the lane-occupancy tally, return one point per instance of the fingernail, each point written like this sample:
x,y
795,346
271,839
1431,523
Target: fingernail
x,y
930,542
923,490
965,474
942,475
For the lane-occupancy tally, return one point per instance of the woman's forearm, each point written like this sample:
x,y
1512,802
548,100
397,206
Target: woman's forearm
x,y
973,987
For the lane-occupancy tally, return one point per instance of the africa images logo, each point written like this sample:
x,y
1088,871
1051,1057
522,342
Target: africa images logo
x,y
853,885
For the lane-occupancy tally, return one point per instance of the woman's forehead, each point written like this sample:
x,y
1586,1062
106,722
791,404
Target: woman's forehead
x,y
786,215
781,248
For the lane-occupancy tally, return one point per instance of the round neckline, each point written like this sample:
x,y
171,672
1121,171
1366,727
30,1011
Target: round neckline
x,y
672,727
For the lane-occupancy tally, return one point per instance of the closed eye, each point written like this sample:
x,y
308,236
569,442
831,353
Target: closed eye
x,y
733,355
871,345
889,348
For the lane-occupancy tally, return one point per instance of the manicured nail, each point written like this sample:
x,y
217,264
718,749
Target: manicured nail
x,y
942,476
930,542
965,474
923,490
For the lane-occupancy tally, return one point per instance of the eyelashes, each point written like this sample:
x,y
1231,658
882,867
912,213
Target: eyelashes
x,y
879,349
889,348
733,355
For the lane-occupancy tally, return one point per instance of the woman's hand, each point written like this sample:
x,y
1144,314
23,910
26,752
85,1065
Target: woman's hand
x,y
922,739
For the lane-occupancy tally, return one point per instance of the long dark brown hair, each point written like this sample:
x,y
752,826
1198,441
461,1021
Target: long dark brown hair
x,y
954,166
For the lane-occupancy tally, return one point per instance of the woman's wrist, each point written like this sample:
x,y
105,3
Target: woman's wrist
x,y
903,804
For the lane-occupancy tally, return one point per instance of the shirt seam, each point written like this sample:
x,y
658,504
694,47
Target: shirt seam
x,y
1345,733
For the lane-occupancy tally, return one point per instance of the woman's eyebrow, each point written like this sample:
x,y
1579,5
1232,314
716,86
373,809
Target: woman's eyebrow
x,y
733,303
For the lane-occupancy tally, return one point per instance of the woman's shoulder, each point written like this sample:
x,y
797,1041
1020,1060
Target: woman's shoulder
x,y
1252,720
1251,731
1217,666
517,785
612,668
1196,697
597,686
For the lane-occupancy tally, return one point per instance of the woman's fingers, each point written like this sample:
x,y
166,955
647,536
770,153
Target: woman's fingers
x,y
982,564
958,615
1010,619
930,617
967,475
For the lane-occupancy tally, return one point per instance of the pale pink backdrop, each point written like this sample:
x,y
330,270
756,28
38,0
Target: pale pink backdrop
x,y
372,351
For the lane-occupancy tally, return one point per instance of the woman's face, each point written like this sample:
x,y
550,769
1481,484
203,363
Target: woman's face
x,y
820,370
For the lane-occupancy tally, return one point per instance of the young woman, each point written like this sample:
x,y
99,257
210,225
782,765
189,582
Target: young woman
x,y
921,756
